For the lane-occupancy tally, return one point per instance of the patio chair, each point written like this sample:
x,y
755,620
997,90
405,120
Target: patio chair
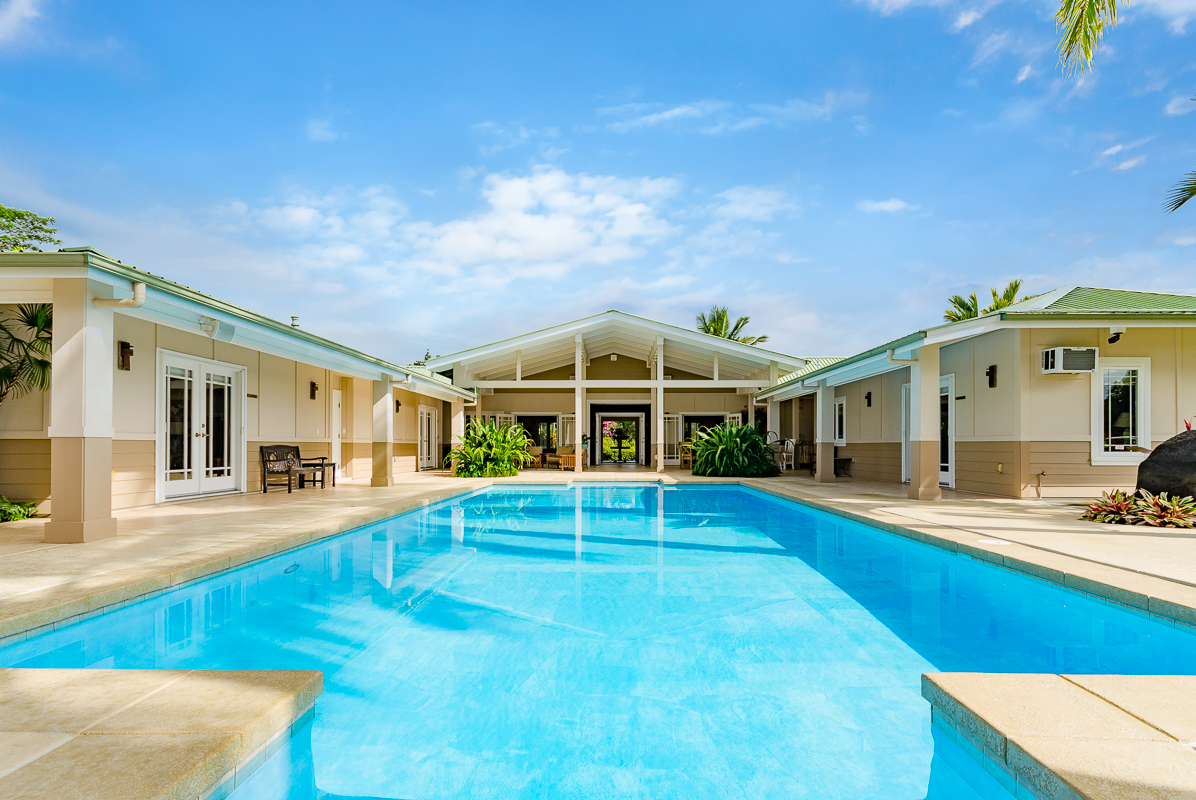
x,y
538,454
786,455
284,459
687,455
557,459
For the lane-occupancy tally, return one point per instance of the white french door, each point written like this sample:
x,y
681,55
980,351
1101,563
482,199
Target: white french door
x,y
338,433
672,440
203,439
947,431
429,437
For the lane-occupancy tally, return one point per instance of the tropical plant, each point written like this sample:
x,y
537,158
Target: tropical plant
x,y
1162,512
23,230
10,511
1081,24
717,322
969,307
490,450
1114,508
26,342
733,451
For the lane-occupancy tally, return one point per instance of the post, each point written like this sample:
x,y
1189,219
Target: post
x,y
658,418
924,416
824,433
579,402
81,414
773,417
384,433
457,426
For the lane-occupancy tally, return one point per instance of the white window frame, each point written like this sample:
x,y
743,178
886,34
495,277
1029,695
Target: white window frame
x,y
840,416
1129,457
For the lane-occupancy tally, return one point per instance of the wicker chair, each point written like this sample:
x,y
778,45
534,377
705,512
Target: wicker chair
x,y
284,459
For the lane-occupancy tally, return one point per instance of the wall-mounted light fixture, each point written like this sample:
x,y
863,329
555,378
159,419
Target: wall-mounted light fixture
x,y
614,356
1116,334
314,389
124,356
868,399
991,374
398,405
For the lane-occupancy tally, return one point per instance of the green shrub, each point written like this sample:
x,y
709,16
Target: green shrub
x,y
1142,508
1115,508
489,450
10,510
1163,512
733,451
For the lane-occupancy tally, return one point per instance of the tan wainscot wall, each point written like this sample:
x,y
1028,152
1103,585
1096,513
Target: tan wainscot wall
x,y
1029,423
279,410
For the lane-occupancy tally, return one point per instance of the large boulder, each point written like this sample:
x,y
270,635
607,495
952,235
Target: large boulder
x,y
1171,467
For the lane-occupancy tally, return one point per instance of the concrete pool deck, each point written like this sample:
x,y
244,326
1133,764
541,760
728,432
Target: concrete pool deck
x,y
1151,571
140,734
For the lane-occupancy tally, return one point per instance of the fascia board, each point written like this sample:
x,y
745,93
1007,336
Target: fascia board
x,y
877,365
1177,319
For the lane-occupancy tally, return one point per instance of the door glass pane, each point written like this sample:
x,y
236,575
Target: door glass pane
x,y
1120,409
178,424
219,428
944,433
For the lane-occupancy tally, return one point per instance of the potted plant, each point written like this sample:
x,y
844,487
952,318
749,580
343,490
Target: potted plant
x,y
585,443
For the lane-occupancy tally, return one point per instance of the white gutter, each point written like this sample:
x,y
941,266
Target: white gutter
x,y
136,301
900,362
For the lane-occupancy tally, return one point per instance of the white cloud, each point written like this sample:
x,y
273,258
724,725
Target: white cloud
x,y
1114,150
698,110
1186,241
15,18
1024,73
887,7
320,130
754,203
1175,12
1179,106
718,117
889,206
965,19
1129,164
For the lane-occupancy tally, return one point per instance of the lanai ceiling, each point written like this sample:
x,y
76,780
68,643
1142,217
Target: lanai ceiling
x,y
622,334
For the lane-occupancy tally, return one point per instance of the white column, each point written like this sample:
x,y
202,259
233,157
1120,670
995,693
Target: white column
x,y
658,420
82,362
579,402
824,433
518,365
457,426
924,431
384,433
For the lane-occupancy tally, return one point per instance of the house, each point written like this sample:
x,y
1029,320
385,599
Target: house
x,y
652,382
1059,395
163,393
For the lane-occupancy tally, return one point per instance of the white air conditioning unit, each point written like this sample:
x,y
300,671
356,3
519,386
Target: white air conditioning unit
x,y
1068,360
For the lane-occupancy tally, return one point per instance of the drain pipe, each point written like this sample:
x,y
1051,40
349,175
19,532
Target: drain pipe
x,y
136,301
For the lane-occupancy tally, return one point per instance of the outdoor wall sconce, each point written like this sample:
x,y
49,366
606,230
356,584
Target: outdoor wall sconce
x,y
868,399
991,374
314,389
1116,337
614,356
398,405
125,356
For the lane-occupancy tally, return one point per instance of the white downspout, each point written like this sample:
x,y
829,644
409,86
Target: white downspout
x,y
136,301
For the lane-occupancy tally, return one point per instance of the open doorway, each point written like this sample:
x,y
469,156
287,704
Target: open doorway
x,y
621,438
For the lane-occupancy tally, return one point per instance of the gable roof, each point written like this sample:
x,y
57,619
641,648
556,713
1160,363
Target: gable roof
x,y
173,304
1071,300
616,331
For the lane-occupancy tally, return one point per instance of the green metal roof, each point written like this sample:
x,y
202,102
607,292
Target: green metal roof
x,y
1094,300
99,260
835,362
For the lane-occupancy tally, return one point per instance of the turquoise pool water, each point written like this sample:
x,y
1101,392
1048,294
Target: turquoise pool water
x,y
619,641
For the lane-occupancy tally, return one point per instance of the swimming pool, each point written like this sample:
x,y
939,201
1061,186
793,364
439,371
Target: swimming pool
x,y
619,641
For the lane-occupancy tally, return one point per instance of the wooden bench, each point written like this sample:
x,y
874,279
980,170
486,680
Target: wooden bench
x,y
284,459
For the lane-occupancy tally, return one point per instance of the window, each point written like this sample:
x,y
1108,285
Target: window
x,y
840,421
1120,410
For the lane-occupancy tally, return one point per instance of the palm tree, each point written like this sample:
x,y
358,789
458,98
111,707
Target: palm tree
x,y
718,323
969,307
26,340
1081,24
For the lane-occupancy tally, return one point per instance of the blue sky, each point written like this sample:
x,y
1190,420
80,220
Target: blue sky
x,y
406,176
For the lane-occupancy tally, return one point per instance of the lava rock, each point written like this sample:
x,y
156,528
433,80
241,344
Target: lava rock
x,y
1171,467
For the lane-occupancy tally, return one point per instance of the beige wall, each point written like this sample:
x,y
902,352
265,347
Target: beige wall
x,y
25,470
1029,423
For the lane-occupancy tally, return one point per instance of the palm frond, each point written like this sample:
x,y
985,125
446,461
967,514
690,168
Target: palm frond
x,y
1181,192
1005,298
1081,24
962,308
